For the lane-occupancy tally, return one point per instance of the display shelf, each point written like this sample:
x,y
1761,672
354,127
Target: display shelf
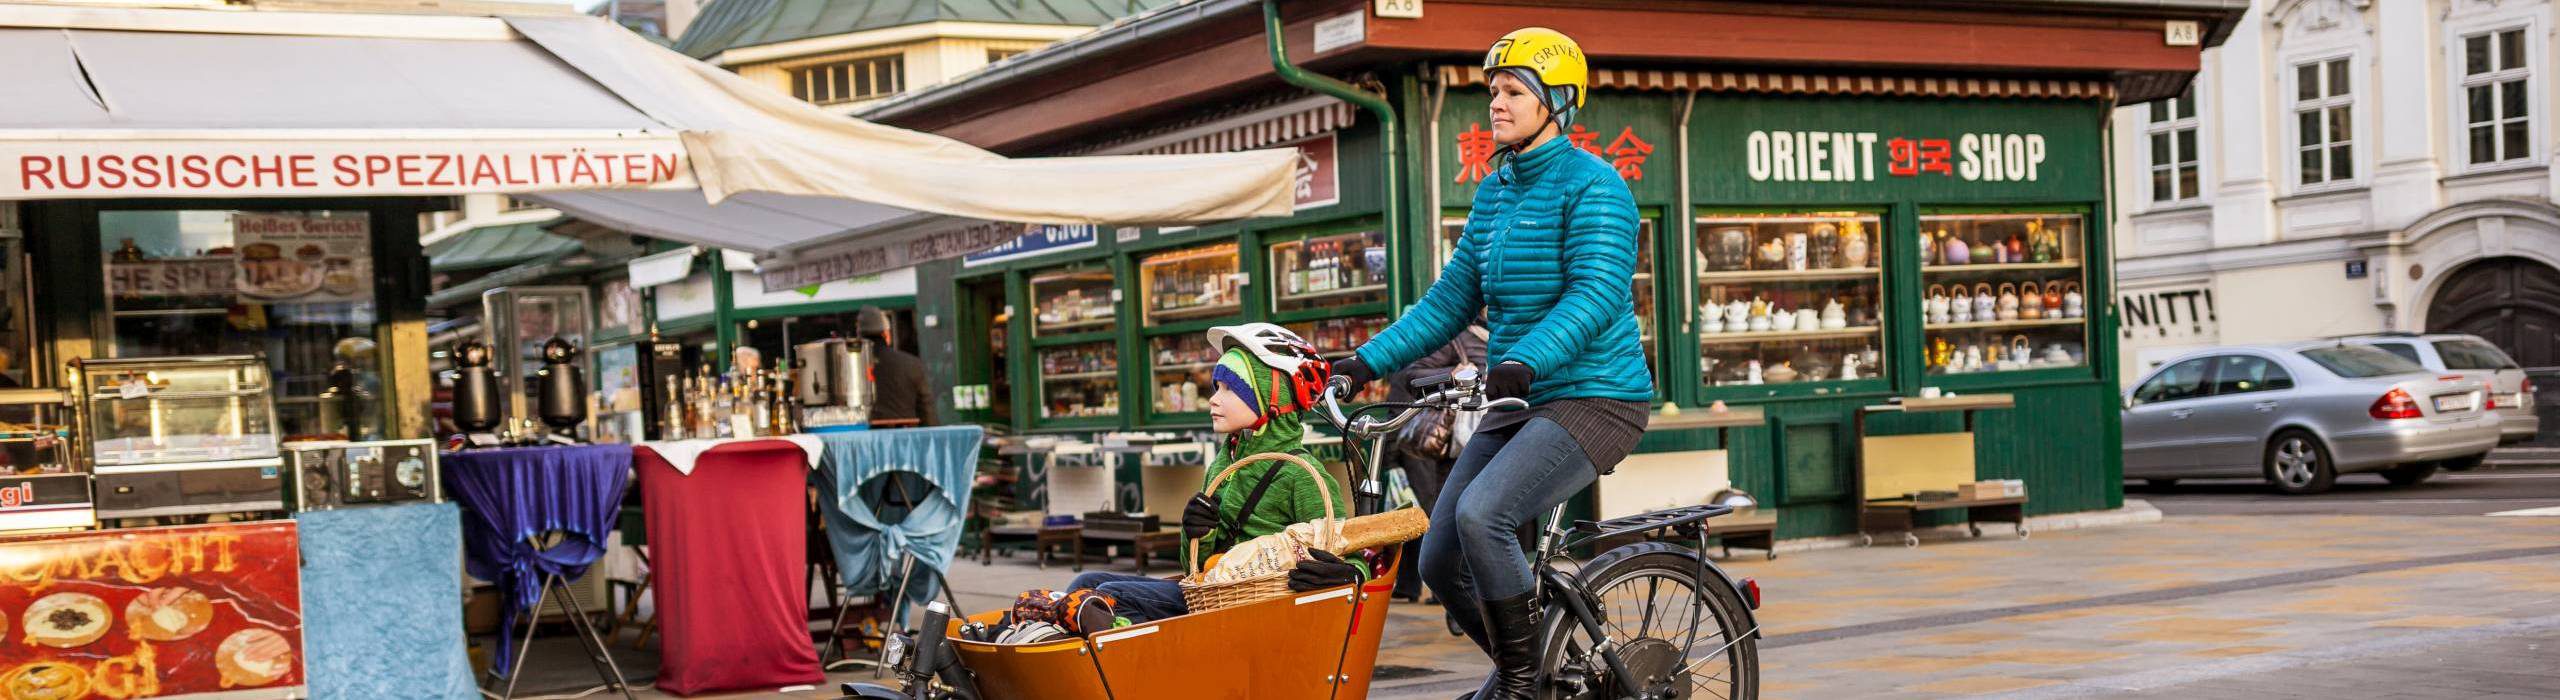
x,y
1830,274
1185,367
1783,336
2015,323
1072,376
1079,325
1195,312
2001,267
1332,293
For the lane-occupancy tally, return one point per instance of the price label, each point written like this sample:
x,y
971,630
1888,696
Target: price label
x,y
133,389
1399,9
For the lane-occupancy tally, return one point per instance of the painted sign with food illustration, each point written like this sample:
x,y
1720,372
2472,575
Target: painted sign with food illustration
x,y
301,258
152,612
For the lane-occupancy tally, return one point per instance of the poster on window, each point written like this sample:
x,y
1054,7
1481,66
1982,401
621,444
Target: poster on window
x,y
153,612
618,308
300,258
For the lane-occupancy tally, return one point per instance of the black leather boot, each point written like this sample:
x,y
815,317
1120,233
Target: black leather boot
x,y
1512,625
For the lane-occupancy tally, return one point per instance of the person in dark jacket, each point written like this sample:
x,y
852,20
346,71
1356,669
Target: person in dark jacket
x,y
903,397
1426,473
1548,256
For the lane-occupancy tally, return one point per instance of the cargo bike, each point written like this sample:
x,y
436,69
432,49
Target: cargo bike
x,y
1653,619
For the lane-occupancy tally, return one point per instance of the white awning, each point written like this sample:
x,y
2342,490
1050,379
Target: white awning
x,y
578,113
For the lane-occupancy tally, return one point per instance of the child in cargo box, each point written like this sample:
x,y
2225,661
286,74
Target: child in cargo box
x,y
1264,377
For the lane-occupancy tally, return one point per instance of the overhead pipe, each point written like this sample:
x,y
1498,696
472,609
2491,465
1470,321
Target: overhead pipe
x,y
1390,131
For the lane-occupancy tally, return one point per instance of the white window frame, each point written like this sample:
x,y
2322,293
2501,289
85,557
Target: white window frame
x,y
890,67
2357,117
2192,122
2458,84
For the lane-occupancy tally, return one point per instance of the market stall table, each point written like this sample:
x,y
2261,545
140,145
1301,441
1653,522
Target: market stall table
x,y
1897,474
539,517
725,523
895,504
378,585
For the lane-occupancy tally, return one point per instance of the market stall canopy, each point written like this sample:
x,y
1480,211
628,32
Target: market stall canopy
x,y
586,116
498,245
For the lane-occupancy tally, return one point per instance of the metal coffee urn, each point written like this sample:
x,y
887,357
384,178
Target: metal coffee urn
x,y
833,381
563,389
475,393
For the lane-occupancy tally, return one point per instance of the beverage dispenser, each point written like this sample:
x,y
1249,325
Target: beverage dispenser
x,y
833,380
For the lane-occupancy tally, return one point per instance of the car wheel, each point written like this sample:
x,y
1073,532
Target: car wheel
x,y
2298,464
2464,464
2161,483
2409,474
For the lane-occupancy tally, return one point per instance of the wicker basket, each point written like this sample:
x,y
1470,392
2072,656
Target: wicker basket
x,y
1204,597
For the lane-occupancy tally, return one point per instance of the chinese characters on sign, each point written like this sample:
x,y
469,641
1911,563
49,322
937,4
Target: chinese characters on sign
x,y
1851,156
1627,152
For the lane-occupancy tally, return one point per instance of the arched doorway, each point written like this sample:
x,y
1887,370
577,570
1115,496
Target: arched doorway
x,y
2514,303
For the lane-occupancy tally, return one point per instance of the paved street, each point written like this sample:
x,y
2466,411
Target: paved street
x,y
2367,592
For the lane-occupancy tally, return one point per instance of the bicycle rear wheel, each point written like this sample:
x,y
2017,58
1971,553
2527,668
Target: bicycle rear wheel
x,y
1681,638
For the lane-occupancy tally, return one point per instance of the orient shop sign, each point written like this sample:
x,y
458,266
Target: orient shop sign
x,y
1319,172
141,168
1631,132
152,612
1771,149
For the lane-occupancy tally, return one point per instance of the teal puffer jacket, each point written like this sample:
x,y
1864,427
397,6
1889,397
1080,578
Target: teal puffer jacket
x,y
1549,256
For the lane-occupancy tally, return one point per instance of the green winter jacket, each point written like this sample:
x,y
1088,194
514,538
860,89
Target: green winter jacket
x,y
1293,497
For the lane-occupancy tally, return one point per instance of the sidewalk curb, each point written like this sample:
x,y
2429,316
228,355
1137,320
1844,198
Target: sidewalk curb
x,y
2135,512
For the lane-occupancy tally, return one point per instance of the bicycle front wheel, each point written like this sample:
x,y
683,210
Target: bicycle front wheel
x,y
1678,637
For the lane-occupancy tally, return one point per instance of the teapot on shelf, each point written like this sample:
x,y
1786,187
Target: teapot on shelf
x,y
1937,304
1807,319
1710,318
2021,351
1781,374
2073,306
1986,305
1834,316
1736,313
2009,307
2031,304
1960,308
2060,356
1759,315
1781,320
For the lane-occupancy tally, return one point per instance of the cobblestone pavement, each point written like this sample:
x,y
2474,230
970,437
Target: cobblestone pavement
x,y
2333,606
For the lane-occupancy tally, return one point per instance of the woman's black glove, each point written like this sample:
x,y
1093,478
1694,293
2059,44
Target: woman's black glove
x,y
1352,375
1200,517
1321,570
1509,380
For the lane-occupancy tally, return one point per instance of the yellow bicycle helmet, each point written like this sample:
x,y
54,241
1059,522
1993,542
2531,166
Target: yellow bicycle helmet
x,y
1546,54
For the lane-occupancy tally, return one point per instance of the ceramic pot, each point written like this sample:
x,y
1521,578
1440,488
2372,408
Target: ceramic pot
x,y
1929,250
1853,248
1807,319
1736,313
1957,252
1799,251
1937,304
1780,374
1773,254
2058,355
1758,324
1782,321
1986,303
2009,307
1710,318
2072,303
1834,316
1960,309
1732,249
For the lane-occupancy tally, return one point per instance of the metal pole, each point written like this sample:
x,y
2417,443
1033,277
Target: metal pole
x,y
1390,129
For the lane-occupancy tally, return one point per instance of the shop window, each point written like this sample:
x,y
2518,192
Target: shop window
x,y
2172,131
1788,298
847,81
1079,381
1190,284
1067,302
294,286
2324,121
2495,97
1181,372
1323,272
2001,292
1337,337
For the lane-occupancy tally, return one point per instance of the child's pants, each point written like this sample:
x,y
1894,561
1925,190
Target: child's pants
x,y
1139,598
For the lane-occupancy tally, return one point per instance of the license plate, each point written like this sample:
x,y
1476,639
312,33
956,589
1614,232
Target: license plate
x,y
2456,402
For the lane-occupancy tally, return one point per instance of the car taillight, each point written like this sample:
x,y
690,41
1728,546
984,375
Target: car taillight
x,y
2395,406
2491,404
2527,389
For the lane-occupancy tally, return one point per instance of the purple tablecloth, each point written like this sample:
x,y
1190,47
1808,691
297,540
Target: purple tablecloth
x,y
513,495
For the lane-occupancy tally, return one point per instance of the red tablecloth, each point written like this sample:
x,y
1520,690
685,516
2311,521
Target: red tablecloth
x,y
726,547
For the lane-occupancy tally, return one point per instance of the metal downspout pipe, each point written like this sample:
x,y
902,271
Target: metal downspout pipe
x,y
1390,133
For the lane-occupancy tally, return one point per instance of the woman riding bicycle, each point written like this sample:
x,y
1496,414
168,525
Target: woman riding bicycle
x,y
1549,257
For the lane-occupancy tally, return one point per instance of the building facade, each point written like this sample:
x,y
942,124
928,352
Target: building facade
x,y
840,54
2341,167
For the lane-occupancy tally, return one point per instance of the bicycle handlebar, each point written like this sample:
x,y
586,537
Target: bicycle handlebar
x,y
1464,394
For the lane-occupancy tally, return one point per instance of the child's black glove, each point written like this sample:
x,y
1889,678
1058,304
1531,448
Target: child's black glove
x,y
1509,380
1200,517
1321,570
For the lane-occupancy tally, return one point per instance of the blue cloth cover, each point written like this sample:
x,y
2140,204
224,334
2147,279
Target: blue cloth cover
x,y
380,588
517,493
867,550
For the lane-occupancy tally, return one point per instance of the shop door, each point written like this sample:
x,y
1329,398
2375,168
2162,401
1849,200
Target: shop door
x,y
2512,302
983,327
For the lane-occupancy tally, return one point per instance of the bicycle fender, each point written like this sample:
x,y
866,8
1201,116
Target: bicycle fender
x,y
1733,586
872,691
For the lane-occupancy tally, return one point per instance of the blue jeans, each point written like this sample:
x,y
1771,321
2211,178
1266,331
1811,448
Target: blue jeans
x,y
1505,480
1139,598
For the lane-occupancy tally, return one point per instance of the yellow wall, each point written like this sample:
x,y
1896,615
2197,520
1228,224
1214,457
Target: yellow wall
x,y
928,62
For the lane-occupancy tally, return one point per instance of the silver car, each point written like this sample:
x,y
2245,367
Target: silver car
x,y
2299,415
2473,358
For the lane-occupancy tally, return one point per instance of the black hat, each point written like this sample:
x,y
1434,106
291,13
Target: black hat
x,y
871,320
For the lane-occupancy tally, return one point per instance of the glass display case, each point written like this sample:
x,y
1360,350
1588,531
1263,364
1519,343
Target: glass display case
x,y
1191,284
1079,381
1337,337
35,426
177,410
1789,297
1181,381
2002,292
1066,302
1322,272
